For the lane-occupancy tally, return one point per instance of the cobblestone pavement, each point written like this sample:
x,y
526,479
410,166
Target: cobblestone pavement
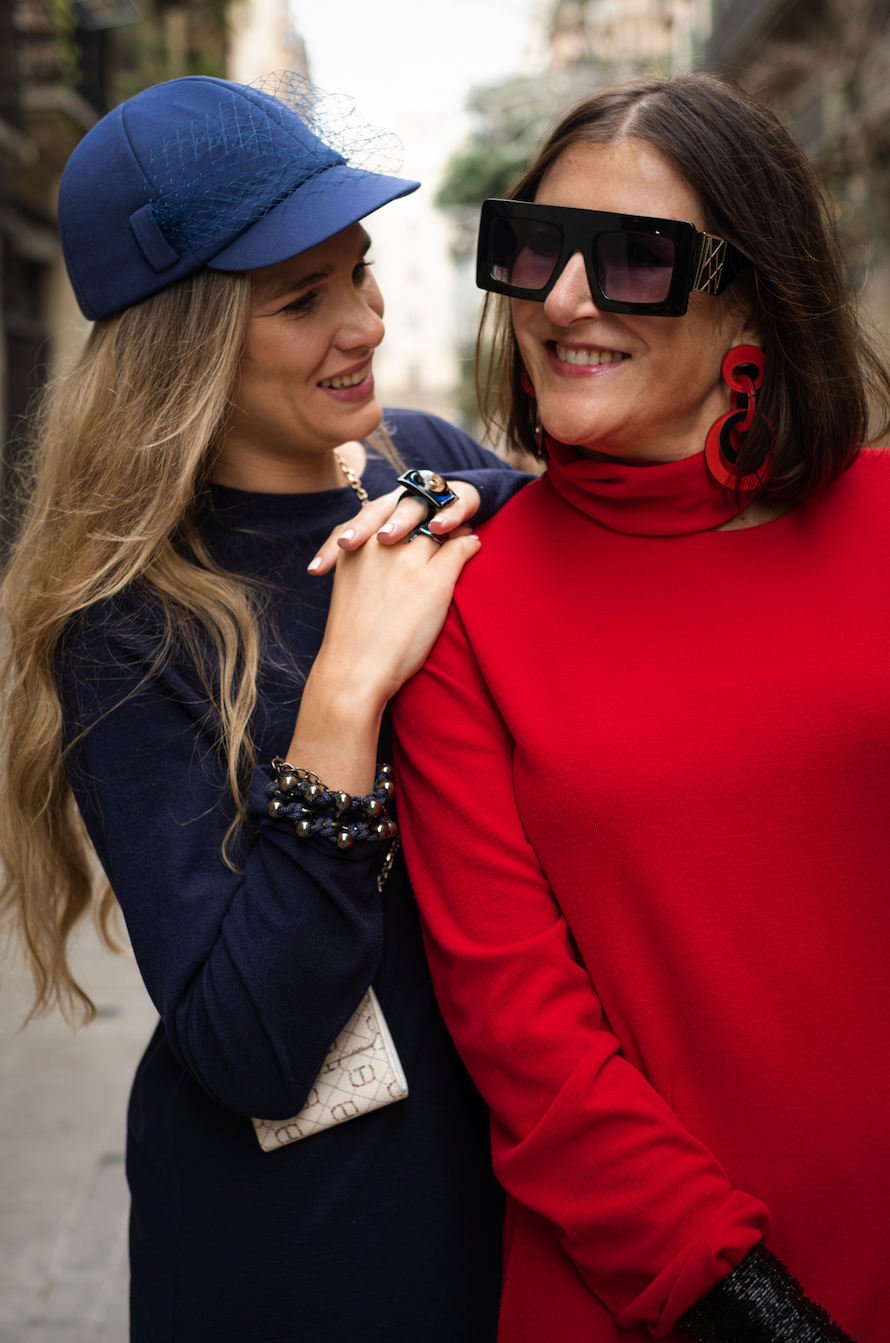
x,y
63,1195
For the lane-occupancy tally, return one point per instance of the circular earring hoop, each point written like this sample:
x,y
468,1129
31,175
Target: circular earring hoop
x,y
725,434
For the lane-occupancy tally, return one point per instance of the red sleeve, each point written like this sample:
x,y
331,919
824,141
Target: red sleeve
x,y
578,1134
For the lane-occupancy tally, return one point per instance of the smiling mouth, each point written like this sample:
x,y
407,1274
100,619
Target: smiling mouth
x,y
570,355
347,379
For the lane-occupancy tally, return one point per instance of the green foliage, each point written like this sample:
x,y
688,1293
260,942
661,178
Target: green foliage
x,y
65,23
207,63
478,172
510,120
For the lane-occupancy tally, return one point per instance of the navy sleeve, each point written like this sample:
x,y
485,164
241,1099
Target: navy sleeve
x,y
239,964
423,439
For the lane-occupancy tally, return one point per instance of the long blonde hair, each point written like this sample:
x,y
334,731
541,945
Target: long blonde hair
x,y
121,447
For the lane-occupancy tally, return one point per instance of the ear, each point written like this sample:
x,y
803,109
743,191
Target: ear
x,y
751,336
740,329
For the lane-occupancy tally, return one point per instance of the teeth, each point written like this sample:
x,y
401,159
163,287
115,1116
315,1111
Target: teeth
x,y
571,356
351,380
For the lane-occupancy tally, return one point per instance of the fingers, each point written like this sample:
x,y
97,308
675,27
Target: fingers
x,y
409,513
388,606
465,506
401,521
391,521
355,532
462,546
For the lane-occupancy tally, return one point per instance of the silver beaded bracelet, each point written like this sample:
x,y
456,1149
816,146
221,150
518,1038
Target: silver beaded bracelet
x,y
299,796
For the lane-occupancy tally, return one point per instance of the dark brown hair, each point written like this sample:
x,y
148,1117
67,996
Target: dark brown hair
x,y
822,374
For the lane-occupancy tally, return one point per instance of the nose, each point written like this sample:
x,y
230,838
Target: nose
x,y
361,321
570,299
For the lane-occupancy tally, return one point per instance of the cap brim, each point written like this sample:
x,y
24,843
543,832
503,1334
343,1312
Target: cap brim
x,y
316,211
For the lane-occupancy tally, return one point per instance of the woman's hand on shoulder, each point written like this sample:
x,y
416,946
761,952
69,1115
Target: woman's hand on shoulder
x,y
387,607
390,522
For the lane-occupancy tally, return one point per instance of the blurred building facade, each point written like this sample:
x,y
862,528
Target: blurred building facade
x,y
63,64
49,98
263,38
628,36
822,66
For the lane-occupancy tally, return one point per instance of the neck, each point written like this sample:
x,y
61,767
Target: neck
x,y
656,499
260,470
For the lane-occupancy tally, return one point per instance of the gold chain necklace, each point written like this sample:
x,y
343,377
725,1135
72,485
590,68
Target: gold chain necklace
x,y
352,478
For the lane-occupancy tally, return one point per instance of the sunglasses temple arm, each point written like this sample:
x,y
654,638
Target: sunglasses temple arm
x,y
719,262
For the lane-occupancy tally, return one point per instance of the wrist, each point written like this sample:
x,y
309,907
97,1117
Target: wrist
x,y
348,691
336,734
303,798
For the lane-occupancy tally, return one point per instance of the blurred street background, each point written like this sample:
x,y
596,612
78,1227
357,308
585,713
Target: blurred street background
x,y
469,86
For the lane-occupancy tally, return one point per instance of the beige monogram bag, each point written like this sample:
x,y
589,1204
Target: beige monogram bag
x,y
361,1073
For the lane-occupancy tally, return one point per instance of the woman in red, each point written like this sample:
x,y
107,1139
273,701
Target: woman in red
x,y
649,786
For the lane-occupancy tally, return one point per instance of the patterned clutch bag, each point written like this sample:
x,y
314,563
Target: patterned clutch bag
x,y
361,1073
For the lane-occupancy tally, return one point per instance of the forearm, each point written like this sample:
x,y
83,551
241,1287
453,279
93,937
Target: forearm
x,y
253,970
387,607
283,966
337,730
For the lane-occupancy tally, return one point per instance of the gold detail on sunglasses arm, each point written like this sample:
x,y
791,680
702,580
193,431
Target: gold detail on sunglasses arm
x,y
710,264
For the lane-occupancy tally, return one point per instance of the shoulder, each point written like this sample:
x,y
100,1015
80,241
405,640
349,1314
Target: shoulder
x,y
522,547
868,477
855,505
131,617
121,646
535,515
427,440
97,633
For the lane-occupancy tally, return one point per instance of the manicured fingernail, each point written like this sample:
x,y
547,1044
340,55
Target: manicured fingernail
x,y
348,534
316,564
387,528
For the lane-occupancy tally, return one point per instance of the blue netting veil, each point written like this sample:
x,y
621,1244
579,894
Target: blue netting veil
x,y
214,177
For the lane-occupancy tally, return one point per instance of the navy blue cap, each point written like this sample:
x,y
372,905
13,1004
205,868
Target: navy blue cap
x,y
204,172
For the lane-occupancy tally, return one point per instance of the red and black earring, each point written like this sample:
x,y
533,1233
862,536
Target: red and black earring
x,y
742,371
527,386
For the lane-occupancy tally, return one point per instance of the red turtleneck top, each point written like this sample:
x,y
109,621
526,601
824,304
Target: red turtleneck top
x,y
649,788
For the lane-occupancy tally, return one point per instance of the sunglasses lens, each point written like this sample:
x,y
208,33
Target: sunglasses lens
x,y
634,267
523,252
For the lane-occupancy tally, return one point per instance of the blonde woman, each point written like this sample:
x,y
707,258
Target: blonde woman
x,y
173,628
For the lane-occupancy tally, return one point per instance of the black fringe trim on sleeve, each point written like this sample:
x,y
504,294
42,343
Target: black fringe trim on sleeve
x,y
760,1302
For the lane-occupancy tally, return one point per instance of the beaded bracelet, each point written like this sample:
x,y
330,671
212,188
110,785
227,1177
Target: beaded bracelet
x,y
298,795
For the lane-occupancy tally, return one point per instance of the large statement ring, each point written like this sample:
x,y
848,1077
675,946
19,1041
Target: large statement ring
x,y
430,488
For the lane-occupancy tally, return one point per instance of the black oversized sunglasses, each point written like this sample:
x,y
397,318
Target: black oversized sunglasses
x,y
634,264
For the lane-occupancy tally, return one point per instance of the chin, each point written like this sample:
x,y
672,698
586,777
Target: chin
x,y
364,420
571,419
569,428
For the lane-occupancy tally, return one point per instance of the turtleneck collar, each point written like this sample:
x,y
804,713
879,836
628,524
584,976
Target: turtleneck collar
x,y
668,499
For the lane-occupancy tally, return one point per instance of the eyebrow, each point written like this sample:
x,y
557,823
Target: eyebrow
x,y
293,286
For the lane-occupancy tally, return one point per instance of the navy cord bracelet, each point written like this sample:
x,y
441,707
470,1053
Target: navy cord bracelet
x,y
299,796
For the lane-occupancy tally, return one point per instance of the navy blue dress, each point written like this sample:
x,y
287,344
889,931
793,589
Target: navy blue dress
x,y
388,1227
